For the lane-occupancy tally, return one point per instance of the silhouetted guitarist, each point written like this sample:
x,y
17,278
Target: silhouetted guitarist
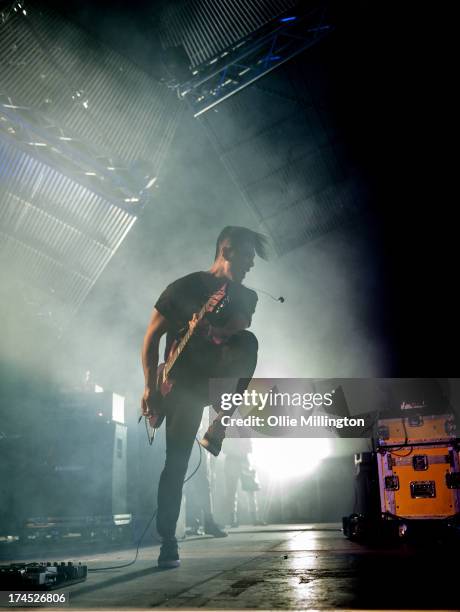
x,y
218,346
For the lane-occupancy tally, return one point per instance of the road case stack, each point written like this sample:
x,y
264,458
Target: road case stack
x,y
414,473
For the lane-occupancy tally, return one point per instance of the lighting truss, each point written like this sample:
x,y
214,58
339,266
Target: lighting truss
x,y
252,58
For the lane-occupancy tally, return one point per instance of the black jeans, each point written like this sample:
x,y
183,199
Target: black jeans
x,y
184,408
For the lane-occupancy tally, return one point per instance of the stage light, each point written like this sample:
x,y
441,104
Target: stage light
x,y
151,183
287,19
286,458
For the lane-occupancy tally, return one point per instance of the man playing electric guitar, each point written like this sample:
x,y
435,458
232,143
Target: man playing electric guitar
x,y
217,345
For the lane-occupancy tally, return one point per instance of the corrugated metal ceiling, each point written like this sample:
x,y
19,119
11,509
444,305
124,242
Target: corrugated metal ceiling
x,y
207,27
80,128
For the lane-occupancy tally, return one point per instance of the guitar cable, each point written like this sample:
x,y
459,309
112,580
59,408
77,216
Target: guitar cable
x,y
104,569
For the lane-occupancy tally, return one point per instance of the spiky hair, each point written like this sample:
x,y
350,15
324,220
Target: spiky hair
x,y
237,236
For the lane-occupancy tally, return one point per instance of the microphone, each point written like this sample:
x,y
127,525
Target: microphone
x,y
280,299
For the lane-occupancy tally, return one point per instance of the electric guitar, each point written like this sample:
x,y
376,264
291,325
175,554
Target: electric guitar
x,y
165,371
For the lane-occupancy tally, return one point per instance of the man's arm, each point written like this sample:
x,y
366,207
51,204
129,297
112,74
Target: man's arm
x,y
157,326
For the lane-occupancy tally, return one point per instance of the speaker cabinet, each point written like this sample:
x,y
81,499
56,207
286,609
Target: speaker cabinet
x,y
63,465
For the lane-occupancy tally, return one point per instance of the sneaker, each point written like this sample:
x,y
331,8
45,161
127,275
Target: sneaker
x,y
169,555
212,528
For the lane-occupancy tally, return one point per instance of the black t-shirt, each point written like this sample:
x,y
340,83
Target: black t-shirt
x,y
185,296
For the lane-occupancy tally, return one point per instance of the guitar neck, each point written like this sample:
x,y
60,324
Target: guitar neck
x,y
183,343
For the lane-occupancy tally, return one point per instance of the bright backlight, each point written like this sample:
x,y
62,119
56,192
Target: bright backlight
x,y
286,458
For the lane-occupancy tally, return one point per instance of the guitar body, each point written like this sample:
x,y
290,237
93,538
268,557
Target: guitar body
x,y
163,387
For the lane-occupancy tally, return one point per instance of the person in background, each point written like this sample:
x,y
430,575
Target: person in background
x,y
238,469
198,494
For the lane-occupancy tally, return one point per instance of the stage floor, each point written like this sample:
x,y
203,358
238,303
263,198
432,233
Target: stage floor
x,y
310,566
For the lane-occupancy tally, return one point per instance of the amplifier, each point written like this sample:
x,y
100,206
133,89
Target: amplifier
x,y
106,404
69,466
420,482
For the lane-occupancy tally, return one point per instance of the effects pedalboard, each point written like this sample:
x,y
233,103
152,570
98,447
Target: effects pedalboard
x,y
41,576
